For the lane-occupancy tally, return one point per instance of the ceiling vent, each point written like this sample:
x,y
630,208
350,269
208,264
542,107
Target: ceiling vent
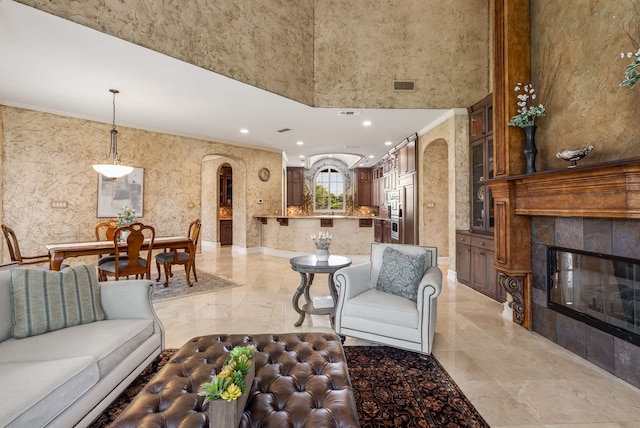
x,y
284,130
404,85
348,113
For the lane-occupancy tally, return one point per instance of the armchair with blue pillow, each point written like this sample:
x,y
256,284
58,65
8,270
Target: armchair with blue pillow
x,y
392,299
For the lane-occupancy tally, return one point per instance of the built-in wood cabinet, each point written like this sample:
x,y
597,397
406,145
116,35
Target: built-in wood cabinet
x,y
226,232
295,186
475,255
378,226
474,263
364,186
481,140
226,186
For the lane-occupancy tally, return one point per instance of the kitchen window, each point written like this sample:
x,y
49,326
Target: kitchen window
x,y
329,191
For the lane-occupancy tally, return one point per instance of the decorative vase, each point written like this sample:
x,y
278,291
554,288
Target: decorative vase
x,y
225,414
530,150
322,255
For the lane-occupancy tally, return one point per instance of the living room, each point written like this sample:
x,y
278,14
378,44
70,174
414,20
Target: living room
x,y
575,63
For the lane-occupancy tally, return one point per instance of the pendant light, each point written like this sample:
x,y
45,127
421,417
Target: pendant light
x,y
114,169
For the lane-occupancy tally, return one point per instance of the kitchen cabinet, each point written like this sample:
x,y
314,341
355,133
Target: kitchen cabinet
x,y
226,186
226,232
295,187
386,231
408,210
378,226
364,186
407,157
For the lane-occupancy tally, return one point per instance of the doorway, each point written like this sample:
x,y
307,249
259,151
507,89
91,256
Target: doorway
x,y
225,204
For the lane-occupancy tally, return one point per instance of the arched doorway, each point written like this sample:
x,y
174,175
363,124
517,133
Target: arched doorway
x,y
435,217
225,204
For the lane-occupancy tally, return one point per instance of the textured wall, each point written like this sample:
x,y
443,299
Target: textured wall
x,y
443,156
48,158
351,50
362,46
583,40
265,43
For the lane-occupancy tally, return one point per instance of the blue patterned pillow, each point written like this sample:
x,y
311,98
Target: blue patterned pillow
x,y
48,300
400,273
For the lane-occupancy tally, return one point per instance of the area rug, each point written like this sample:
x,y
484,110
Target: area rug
x,y
178,287
392,387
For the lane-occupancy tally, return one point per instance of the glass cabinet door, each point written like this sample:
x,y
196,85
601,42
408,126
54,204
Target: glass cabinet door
x,y
477,186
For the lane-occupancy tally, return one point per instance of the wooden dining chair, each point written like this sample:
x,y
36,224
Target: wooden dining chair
x,y
176,257
104,232
14,250
128,261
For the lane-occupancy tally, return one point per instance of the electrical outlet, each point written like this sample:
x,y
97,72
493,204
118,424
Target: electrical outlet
x,y
431,205
59,204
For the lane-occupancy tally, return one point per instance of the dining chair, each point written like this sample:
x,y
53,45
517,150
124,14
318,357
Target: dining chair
x,y
14,250
104,232
176,257
128,261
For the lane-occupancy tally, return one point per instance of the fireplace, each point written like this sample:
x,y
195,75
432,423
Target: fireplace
x,y
600,290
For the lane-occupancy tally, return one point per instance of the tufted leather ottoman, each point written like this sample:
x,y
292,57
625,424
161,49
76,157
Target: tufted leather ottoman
x,y
301,381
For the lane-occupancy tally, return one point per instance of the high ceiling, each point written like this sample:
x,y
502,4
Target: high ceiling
x,y
54,65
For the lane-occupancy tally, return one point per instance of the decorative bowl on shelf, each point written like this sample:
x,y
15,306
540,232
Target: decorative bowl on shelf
x,y
574,156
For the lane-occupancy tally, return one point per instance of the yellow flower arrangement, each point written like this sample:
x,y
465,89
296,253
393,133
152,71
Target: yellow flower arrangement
x,y
229,383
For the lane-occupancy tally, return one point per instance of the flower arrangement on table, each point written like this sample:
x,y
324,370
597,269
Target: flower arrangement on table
x,y
631,78
126,216
323,240
527,111
229,384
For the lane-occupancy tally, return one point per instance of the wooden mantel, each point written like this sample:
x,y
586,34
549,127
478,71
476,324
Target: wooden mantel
x,y
608,190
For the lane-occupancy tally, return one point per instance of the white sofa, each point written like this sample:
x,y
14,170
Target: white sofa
x,y
67,377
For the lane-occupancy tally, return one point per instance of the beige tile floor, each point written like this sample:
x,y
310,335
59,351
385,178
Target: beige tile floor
x,y
514,377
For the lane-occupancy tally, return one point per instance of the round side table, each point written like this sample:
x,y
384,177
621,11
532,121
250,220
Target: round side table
x,y
308,266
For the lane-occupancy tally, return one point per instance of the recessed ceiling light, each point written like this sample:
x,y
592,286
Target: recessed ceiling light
x,y
388,143
301,156
371,156
244,131
366,123
330,156
300,143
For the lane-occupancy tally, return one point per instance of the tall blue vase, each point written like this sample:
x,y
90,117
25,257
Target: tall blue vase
x,y
530,150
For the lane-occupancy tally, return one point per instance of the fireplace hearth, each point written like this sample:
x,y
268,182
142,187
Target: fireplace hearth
x,y
600,290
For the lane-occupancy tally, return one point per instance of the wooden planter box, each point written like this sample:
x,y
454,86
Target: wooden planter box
x,y
227,414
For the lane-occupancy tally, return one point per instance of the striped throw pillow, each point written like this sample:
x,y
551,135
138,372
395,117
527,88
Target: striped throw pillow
x,y
49,300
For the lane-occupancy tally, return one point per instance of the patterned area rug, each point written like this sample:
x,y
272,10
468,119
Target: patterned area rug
x,y
393,388
178,287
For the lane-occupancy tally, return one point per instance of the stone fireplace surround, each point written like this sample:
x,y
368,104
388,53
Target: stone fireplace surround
x,y
596,209
616,237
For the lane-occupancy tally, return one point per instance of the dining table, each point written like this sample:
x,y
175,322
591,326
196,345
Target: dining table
x,y
60,252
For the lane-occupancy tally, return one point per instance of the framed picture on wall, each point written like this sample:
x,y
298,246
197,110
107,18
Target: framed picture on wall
x,y
114,194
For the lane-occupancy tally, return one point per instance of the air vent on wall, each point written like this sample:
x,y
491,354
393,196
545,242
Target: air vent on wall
x,y
284,130
404,85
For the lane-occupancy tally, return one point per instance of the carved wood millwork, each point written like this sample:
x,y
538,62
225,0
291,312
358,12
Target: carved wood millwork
x,y
608,190
512,232
519,287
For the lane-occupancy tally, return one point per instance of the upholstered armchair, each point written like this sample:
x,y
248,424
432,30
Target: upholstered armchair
x,y
392,299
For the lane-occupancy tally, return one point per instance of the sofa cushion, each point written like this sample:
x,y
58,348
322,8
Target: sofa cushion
x,y
36,392
400,273
108,342
45,301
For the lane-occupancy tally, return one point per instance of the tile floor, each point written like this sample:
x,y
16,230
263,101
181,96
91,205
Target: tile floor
x,y
514,377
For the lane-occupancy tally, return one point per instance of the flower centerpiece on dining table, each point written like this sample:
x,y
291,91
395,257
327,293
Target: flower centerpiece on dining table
x,y
228,390
322,242
126,216
528,112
